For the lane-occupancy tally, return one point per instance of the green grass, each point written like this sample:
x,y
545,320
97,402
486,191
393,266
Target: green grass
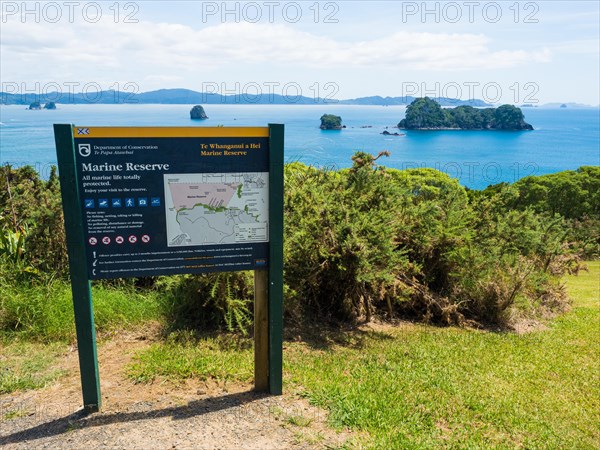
x,y
413,386
299,421
26,365
585,287
45,312
225,357
424,387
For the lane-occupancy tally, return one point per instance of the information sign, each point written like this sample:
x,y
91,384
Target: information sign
x,y
159,201
141,201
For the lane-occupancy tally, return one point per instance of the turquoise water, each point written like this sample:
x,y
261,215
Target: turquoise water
x,y
563,138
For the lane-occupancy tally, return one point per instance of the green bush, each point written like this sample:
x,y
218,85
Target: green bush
x,y
574,194
207,301
373,240
340,256
571,194
31,208
360,242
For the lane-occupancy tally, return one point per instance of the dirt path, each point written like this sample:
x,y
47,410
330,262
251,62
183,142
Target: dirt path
x,y
195,414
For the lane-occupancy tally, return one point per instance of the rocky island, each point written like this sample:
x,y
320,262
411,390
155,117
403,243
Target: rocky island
x,y
426,114
331,122
38,106
197,113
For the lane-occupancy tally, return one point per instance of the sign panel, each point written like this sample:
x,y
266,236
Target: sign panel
x,y
151,201
158,201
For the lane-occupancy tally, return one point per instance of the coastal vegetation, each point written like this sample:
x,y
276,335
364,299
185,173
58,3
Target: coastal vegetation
x,y
426,114
364,243
360,243
572,194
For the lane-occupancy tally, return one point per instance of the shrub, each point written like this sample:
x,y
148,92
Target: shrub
x,y
571,194
359,242
371,240
208,301
340,256
31,208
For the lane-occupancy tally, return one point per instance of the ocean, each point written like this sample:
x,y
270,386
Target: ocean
x,y
563,138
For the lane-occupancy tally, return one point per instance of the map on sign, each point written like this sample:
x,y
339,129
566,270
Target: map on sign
x,y
216,208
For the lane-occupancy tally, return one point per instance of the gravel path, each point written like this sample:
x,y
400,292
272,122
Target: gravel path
x,y
194,414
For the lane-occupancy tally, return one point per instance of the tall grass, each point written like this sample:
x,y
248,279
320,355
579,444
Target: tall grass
x,y
44,312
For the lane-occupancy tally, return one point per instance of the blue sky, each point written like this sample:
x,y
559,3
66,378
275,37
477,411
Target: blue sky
x,y
513,52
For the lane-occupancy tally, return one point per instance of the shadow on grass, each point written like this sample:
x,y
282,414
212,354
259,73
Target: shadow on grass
x,y
317,336
81,420
323,336
220,340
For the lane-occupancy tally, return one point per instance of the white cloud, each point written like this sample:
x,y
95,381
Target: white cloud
x,y
166,51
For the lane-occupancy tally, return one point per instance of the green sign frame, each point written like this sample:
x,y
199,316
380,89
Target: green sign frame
x,y
268,308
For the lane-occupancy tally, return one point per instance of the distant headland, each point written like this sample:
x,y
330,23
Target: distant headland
x,y
189,97
427,114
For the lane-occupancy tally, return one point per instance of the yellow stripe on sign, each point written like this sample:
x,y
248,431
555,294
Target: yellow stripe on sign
x,y
159,132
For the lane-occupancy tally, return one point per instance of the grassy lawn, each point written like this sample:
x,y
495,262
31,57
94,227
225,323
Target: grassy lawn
x,y
412,386
224,357
417,386
427,387
44,313
37,325
26,365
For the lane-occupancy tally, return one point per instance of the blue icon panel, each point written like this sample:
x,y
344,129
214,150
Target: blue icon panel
x,y
128,202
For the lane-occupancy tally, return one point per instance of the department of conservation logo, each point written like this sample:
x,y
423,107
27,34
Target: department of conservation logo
x,y
85,150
